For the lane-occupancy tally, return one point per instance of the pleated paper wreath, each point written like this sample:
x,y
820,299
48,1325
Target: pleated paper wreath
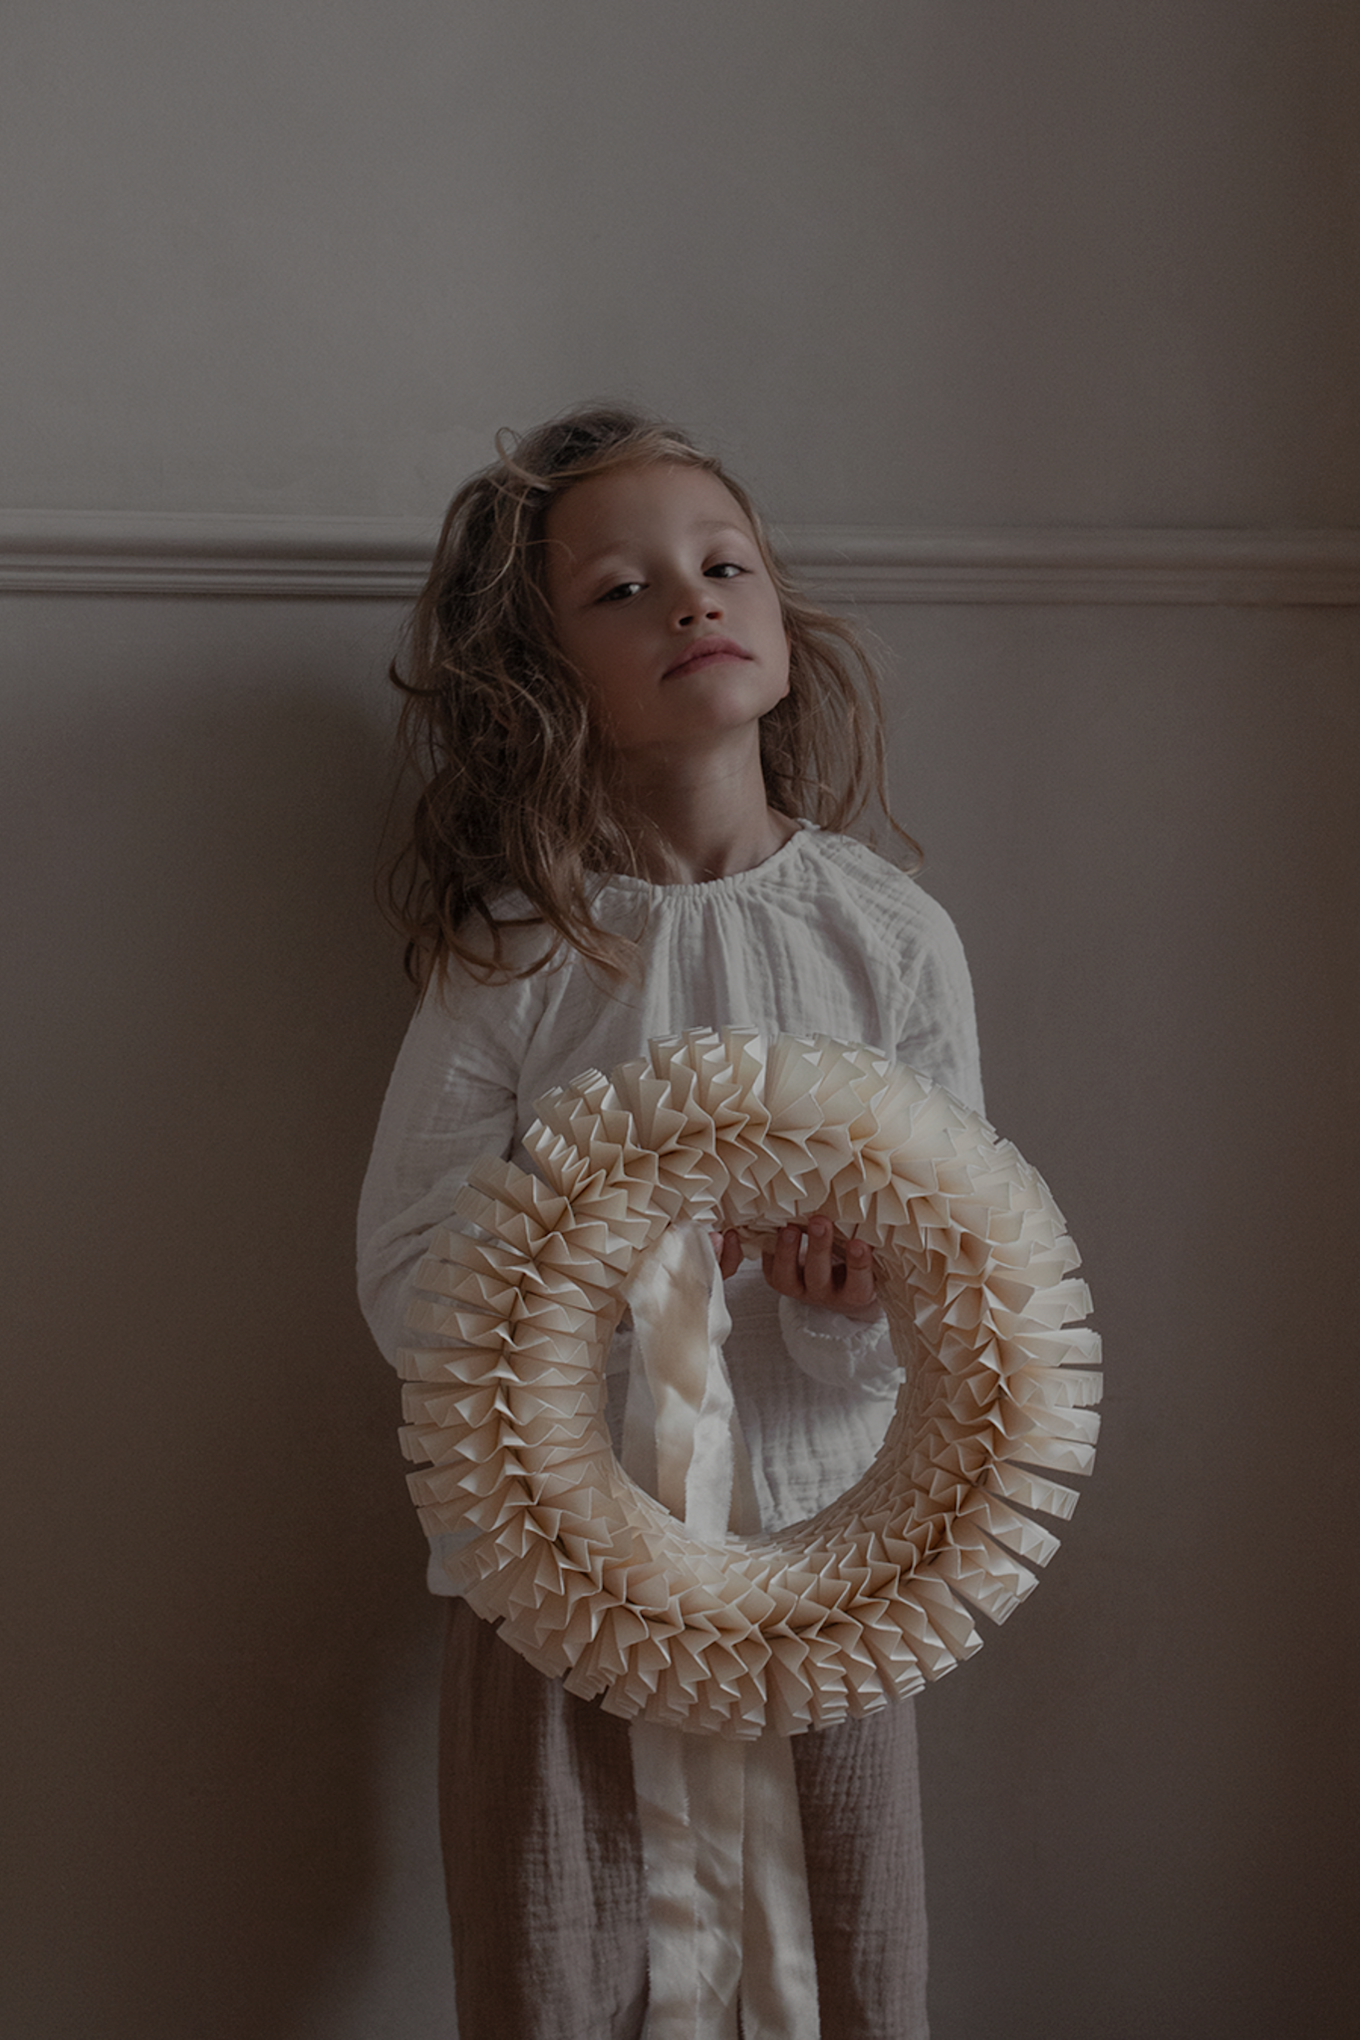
x,y
593,1581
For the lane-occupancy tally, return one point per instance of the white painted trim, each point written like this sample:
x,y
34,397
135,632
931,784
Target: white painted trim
x,y
114,552
54,552
1054,564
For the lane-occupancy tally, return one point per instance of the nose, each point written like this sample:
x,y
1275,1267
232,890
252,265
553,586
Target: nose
x,y
694,600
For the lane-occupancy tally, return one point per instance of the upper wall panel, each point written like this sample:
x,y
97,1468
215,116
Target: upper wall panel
x,y
908,263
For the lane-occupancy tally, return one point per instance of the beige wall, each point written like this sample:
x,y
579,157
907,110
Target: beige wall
x,y
913,266
919,263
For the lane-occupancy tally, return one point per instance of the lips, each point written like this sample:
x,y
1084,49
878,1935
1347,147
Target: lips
x,y
702,652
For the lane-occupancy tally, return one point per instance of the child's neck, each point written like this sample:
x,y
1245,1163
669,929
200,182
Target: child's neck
x,y
696,829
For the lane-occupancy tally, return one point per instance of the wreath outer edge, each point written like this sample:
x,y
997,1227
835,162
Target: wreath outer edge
x,y
587,1576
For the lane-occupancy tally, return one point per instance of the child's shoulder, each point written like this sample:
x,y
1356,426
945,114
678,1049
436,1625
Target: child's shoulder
x,y
855,864
860,886
512,957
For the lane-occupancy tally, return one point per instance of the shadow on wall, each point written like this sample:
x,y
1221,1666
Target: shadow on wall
x,y
221,1572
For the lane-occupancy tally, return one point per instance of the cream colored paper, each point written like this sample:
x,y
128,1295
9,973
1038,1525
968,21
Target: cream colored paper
x,y
595,1582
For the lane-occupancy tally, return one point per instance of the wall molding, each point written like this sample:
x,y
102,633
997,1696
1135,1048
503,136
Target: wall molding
x,y
168,553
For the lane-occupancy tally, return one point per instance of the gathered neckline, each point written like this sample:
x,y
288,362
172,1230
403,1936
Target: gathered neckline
x,y
733,881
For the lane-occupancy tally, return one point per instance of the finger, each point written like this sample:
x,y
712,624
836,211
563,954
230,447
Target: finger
x,y
819,1282
781,1267
729,1258
857,1287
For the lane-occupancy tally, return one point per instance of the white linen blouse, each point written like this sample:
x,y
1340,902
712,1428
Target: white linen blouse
x,y
824,937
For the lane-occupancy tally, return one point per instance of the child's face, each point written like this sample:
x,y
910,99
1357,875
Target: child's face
x,y
662,600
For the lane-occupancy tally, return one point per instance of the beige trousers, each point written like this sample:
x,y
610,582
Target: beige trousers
x,y
543,1860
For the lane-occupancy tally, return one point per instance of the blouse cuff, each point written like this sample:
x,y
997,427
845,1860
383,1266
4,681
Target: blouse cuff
x,y
842,1352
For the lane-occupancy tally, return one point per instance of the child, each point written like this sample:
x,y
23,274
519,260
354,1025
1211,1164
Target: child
x,y
639,744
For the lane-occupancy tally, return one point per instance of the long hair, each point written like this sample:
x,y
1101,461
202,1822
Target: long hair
x,y
518,788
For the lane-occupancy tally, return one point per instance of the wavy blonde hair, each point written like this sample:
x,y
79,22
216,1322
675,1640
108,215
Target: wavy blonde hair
x,y
517,786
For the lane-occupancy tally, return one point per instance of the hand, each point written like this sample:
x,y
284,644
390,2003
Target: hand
x,y
815,1275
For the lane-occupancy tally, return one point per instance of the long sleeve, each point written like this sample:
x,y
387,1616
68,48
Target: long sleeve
x,y
453,1097
940,1036
940,1039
